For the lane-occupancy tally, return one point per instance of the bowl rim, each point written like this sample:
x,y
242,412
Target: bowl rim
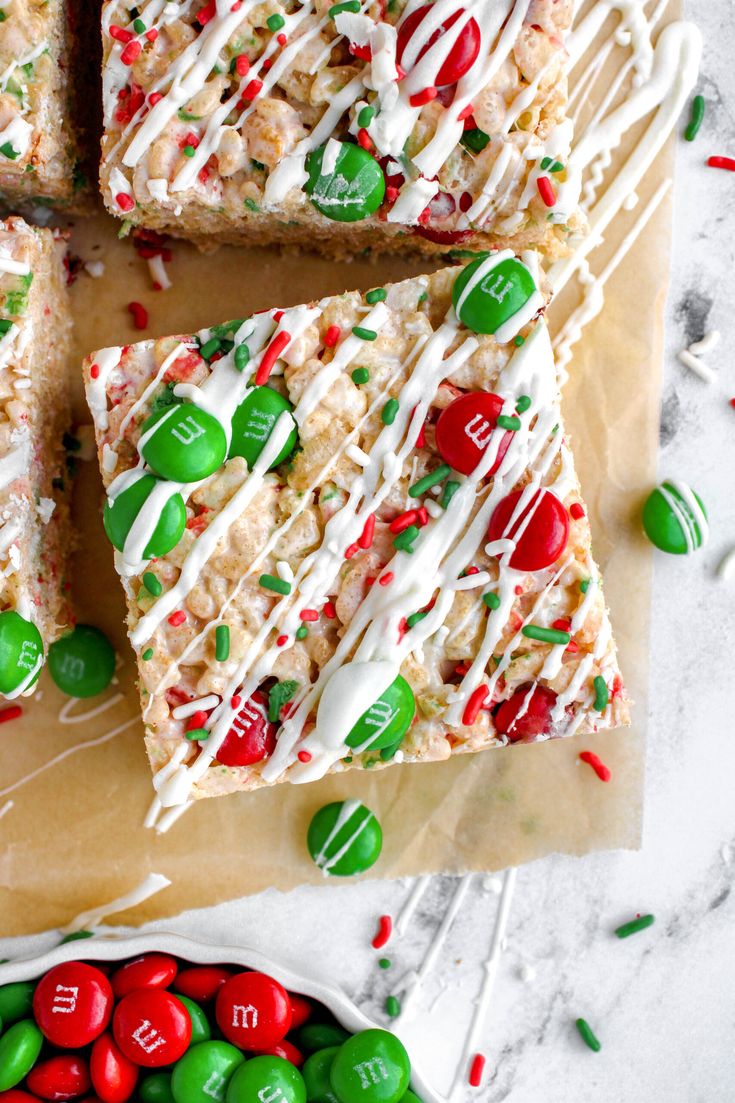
x,y
112,947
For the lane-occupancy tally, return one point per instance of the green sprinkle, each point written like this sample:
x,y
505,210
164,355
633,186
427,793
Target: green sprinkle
x,y
360,375
511,423
222,643
364,334
587,1036
415,618
491,600
197,735
75,936
138,26
385,963
545,635
189,151
377,295
392,1007
147,654
347,5
475,140
432,479
302,632
275,22
450,489
545,162
518,341
242,357
7,151
209,348
696,119
602,694
585,585
405,539
557,167
152,584
634,926
523,403
251,204
278,696
364,118
3,16
423,296
389,411
277,585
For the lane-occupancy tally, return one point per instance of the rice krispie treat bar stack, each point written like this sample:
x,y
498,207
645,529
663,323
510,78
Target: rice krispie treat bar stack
x,y
38,143
351,533
35,328
339,125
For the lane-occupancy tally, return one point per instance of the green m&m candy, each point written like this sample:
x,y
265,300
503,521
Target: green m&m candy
x,y
675,519
386,722
156,1088
316,1072
200,1028
344,838
347,187
485,295
16,1001
410,1097
120,515
372,1067
204,1072
19,1050
21,653
313,1036
183,443
253,424
266,1080
82,662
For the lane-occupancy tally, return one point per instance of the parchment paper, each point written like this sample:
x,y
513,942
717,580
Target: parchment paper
x,y
74,835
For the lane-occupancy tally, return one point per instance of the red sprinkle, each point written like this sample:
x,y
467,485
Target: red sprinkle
x,y
426,95
572,647
727,163
242,65
177,618
252,89
120,34
363,52
10,713
599,767
473,706
94,371
385,930
546,190
196,720
281,39
364,140
422,516
277,315
304,756
465,201
235,701
331,337
386,578
131,52
352,550
125,202
465,113
366,539
402,522
308,614
329,610
140,315
207,12
271,354
576,510
732,403
282,641
154,98
476,1070
152,34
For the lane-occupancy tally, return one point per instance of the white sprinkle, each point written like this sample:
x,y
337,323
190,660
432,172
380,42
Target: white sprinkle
x,y
492,884
527,973
434,509
109,458
158,272
726,568
94,268
183,712
708,342
695,365
8,804
356,454
283,570
726,853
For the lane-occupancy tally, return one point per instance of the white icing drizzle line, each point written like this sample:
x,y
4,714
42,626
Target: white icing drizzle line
x,y
152,884
7,807
68,715
348,811
410,904
682,501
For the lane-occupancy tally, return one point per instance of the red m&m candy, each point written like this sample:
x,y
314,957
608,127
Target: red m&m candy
x,y
15,1095
252,737
465,430
151,1027
72,1004
147,971
113,1076
535,721
460,58
59,1078
287,1051
201,982
545,529
253,1011
301,1010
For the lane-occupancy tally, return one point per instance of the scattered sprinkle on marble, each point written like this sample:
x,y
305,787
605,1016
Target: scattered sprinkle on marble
x,y
476,1070
588,1036
726,567
392,1007
385,930
689,360
385,963
492,884
527,973
638,924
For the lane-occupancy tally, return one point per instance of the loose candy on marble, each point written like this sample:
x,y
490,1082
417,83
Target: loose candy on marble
x,y
268,1079
461,56
20,1046
351,189
113,1076
315,1036
316,1076
545,529
371,1067
120,515
465,430
156,1088
674,518
344,838
200,1028
253,1011
82,663
387,720
21,652
183,443
152,1027
252,737
153,970
254,421
533,721
16,1001
65,1076
204,1072
72,1004
485,297
201,982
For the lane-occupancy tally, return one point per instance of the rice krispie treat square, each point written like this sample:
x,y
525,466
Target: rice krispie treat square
x,y
38,142
35,328
351,533
339,126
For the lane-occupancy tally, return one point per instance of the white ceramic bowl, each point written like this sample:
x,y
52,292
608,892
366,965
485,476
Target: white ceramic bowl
x,y
114,948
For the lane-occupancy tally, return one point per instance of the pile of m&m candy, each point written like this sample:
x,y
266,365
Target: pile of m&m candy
x,y
160,1030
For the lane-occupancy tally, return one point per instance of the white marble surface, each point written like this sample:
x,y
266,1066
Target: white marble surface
x,y
661,1002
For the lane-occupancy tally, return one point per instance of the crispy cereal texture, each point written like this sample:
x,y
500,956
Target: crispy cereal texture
x,y
387,541
317,125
